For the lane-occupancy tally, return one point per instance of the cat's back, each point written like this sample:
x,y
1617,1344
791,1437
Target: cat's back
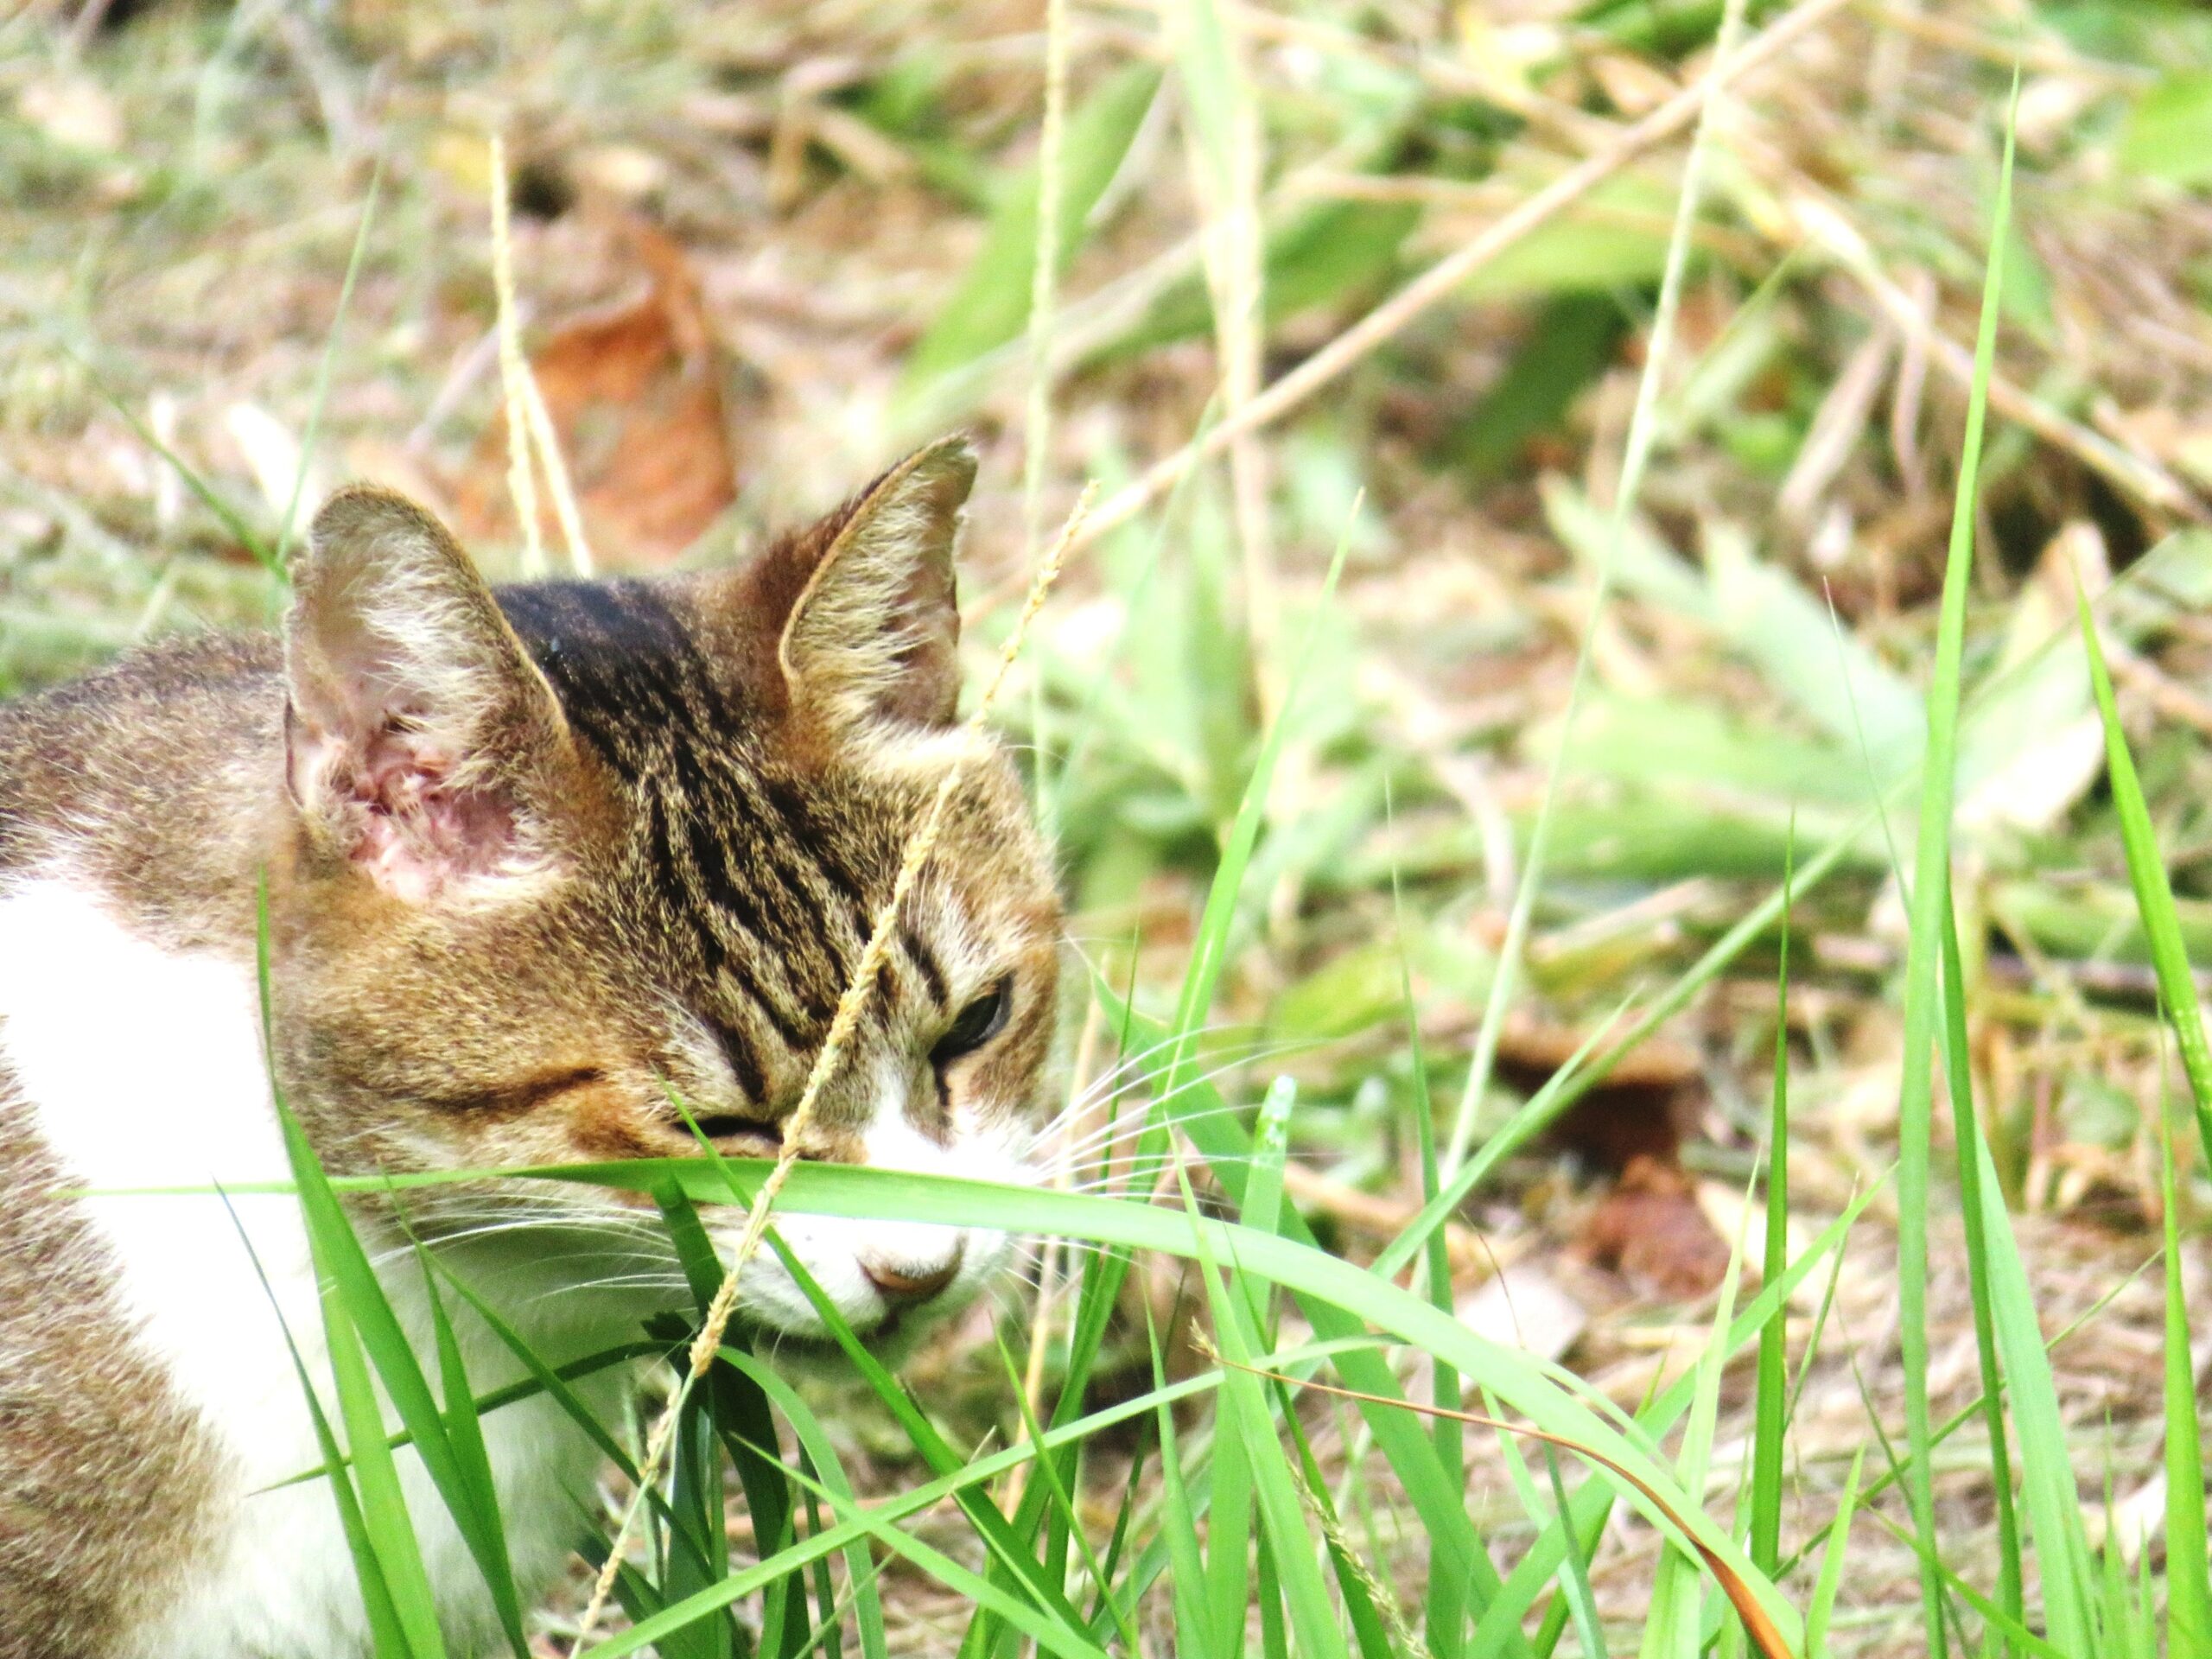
x,y
155,760
126,804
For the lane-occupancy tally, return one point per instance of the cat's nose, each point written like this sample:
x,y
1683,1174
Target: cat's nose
x,y
905,1284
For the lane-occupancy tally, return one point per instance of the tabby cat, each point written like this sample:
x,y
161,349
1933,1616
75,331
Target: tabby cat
x,y
540,861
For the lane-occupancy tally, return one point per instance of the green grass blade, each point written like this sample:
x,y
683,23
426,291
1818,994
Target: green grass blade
x,y
1051,1634
979,1472
322,395
2046,1465
553,1380
1967,1129
2154,893
1275,1636
724,1407
1260,1207
388,1637
389,1527
465,1440
1229,1519
1929,891
1592,1503
227,515
2021,1638
362,1323
1104,1275
696,1501
1178,1522
822,1450
1822,1608
721,1181
1244,1411
527,1388
1581,1603
1275,1488
1636,451
373,1332
744,1424
1410,1451
999,1537
695,1251
1047,1473
1771,1407
1972,1409
1320,1280
2189,1579
1117,1544
1677,1623
1445,1613
1209,953
385,1524
1354,1583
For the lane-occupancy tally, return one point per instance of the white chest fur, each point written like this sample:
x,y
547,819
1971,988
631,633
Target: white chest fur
x,y
143,1068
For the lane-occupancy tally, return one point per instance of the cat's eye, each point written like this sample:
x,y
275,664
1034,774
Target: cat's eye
x,y
976,1024
722,1126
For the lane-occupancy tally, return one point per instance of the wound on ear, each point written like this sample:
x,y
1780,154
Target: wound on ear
x,y
421,742
397,810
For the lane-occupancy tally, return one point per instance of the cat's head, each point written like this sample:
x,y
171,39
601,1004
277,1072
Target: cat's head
x,y
564,854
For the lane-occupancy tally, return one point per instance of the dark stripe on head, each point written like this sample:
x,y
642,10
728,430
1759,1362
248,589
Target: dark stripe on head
x,y
744,1063
924,964
788,1030
625,669
806,832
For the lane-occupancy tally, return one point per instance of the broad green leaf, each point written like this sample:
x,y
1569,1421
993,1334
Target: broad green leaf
x,y
991,303
2168,132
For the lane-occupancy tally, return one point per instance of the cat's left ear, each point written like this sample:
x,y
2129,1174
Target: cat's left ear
x,y
872,635
422,746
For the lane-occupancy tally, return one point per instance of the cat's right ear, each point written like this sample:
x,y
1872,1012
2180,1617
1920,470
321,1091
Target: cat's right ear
x,y
852,625
422,746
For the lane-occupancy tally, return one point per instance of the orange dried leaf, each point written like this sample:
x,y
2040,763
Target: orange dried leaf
x,y
1651,1229
635,394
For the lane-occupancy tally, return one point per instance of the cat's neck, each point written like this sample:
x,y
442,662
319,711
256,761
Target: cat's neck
x,y
157,784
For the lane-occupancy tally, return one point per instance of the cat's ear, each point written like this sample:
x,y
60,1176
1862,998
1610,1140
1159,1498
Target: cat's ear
x,y
422,744
872,635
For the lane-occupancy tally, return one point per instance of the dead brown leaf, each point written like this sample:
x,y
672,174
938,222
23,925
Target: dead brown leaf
x,y
1644,1106
1650,1229
635,393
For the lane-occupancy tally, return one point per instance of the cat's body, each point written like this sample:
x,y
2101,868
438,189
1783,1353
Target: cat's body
x,y
533,867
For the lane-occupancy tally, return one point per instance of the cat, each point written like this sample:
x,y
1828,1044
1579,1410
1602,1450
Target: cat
x,y
540,861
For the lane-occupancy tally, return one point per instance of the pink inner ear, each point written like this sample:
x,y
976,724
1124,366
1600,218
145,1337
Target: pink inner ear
x,y
399,813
